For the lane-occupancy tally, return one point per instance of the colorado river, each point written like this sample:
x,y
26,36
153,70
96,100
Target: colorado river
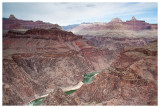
x,y
88,79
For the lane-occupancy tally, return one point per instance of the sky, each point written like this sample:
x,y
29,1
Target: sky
x,y
67,13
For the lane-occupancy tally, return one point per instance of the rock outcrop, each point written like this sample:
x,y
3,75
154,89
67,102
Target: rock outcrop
x,y
137,25
53,33
116,20
12,17
133,19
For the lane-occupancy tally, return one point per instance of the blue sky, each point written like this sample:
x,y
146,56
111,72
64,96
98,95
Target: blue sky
x,y
65,13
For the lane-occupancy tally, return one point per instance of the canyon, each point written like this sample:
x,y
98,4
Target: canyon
x,y
46,61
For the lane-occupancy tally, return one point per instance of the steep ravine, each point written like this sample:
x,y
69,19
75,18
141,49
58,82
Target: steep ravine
x,y
87,79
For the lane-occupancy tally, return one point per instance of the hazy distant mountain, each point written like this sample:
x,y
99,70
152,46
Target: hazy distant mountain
x,y
69,27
